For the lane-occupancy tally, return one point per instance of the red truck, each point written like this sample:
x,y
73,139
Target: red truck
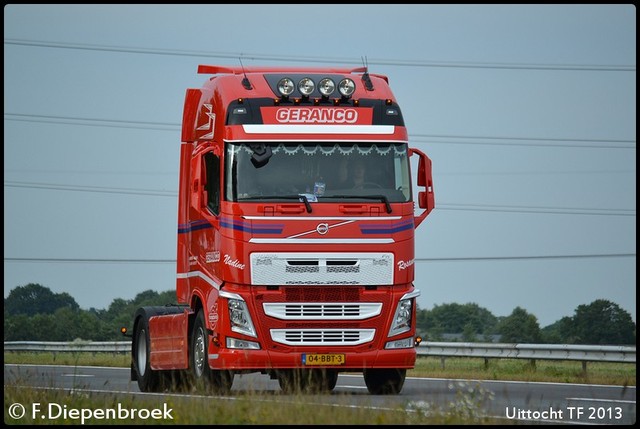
x,y
296,222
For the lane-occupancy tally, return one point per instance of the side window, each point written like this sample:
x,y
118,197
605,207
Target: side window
x,y
212,168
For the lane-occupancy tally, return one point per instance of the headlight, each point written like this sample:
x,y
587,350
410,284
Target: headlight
x,y
286,86
347,87
239,318
306,86
326,86
235,343
405,343
402,317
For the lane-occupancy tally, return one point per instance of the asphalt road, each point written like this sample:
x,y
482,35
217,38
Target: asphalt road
x,y
525,402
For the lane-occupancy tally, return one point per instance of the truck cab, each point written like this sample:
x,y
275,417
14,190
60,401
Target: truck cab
x,y
296,222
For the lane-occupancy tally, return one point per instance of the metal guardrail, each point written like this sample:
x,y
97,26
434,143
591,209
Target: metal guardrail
x,y
585,353
68,346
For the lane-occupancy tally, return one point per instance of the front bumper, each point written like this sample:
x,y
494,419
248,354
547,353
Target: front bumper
x,y
258,360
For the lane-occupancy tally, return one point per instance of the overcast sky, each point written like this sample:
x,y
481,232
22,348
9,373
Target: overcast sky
x,y
526,111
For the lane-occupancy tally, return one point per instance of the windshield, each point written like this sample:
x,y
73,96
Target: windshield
x,y
319,172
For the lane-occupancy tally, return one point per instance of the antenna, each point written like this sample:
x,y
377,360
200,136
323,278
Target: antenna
x,y
364,63
368,85
245,81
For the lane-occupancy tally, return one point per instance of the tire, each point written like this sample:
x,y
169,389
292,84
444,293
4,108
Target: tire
x,y
384,381
331,380
148,379
322,380
293,381
204,378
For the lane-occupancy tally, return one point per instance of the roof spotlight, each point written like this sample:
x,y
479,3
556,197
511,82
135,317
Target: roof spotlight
x,y
286,86
306,86
326,86
346,87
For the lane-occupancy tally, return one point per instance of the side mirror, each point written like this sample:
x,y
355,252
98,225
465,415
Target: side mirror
x,y
422,200
426,198
421,173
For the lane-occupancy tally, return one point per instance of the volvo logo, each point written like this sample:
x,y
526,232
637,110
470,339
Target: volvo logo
x,y
322,228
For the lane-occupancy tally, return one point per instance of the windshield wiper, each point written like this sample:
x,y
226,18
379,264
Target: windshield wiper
x,y
300,197
382,198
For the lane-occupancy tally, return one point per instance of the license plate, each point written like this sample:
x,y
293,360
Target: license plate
x,y
323,359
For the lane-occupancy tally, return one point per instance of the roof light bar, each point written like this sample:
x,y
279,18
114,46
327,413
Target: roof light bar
x,y
307,87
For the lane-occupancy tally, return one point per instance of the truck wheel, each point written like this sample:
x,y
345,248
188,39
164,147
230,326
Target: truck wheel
x,y
292,381
216,381
322,380
329,380
148,379
384,381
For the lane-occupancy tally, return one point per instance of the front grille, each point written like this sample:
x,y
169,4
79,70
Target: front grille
x,y
319,337
322,310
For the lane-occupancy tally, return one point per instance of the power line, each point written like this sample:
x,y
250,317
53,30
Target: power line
x,y
95,172
523,138
525,141
427,138
94,122
536,209
441,174
93,260
316,59
453,206
96,189
506,258
460,259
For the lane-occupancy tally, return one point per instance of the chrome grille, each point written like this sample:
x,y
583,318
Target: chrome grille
x,y
322,310
318,337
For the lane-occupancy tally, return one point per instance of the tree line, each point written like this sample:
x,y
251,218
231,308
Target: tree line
x,y
35,313
601,322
